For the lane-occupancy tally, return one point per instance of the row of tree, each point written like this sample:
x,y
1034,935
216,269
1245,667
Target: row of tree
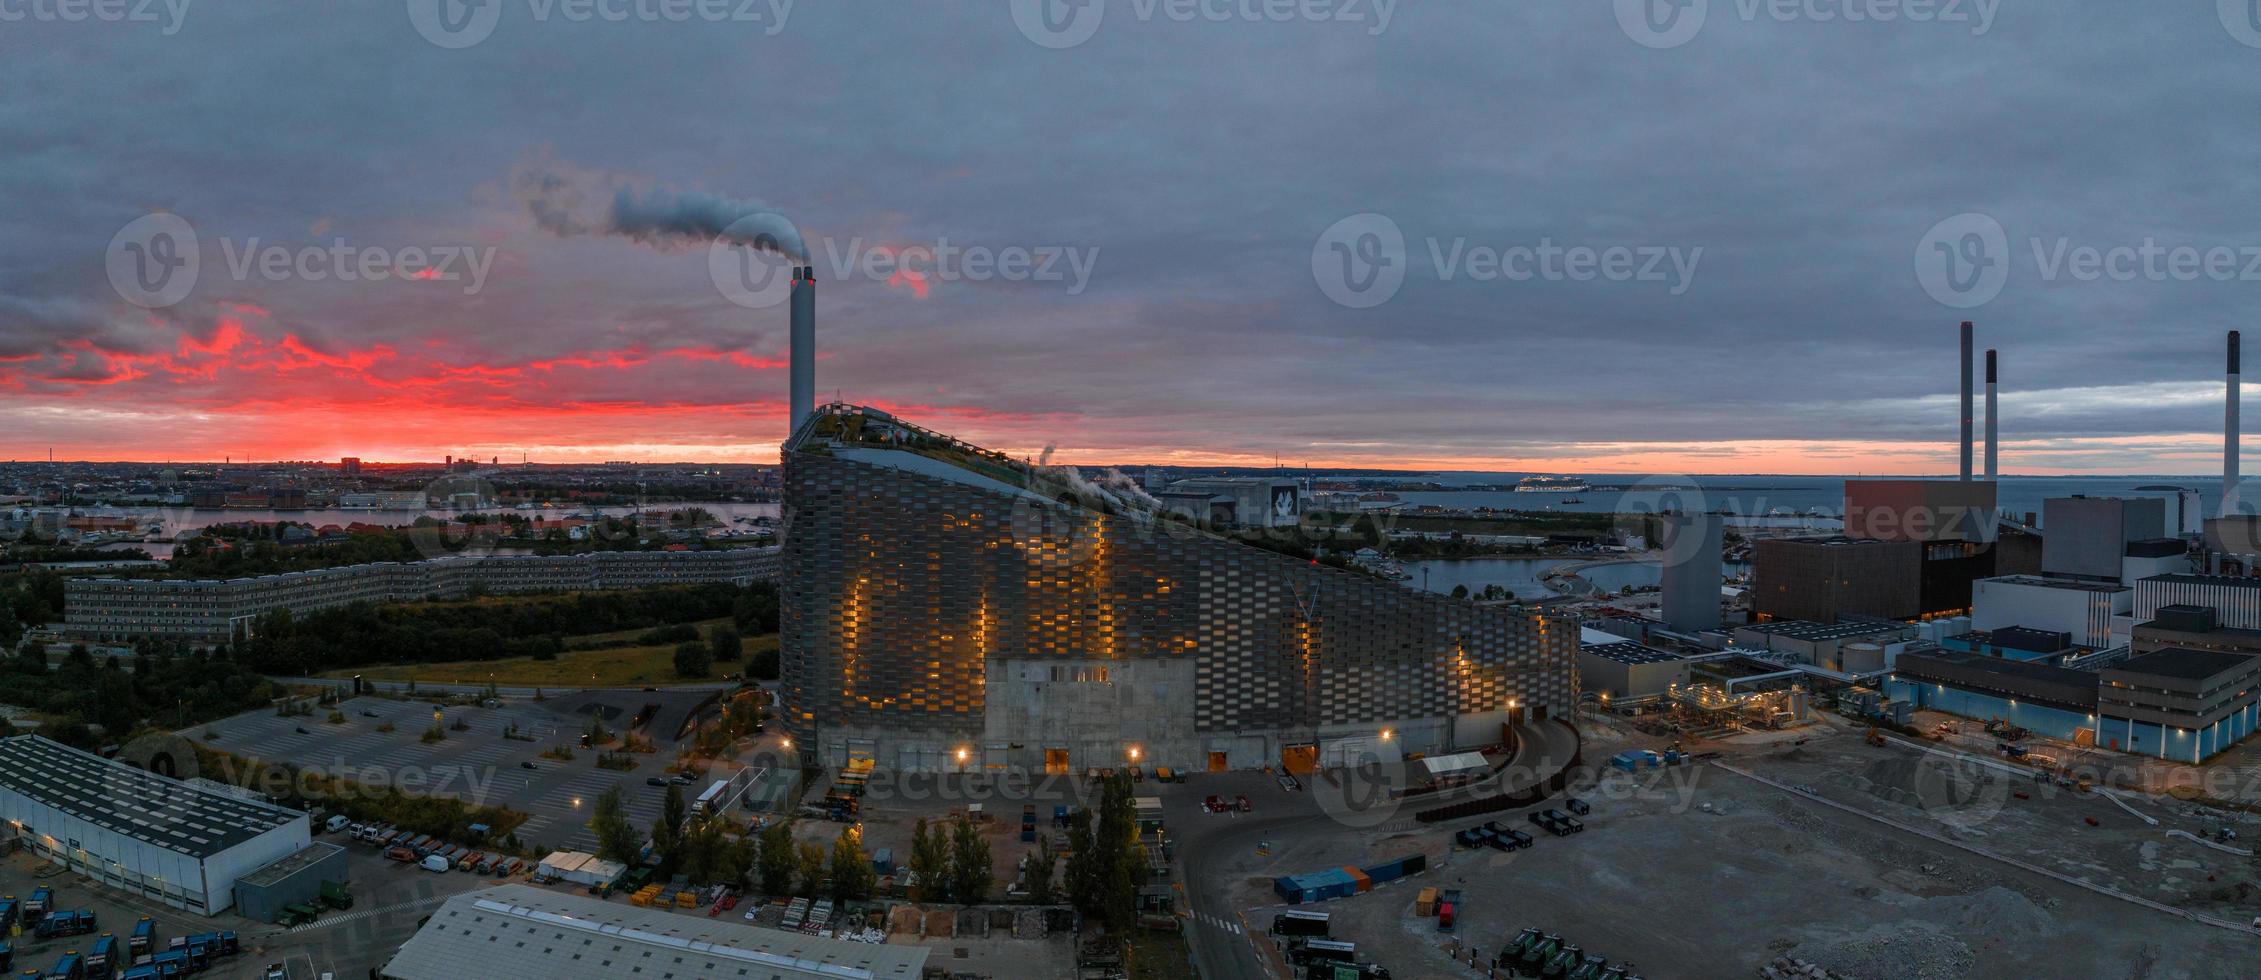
x,y
166,687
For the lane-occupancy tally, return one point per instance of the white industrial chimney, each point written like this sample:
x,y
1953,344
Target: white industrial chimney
x,y
1966,400
1993,417
803,340
2229,435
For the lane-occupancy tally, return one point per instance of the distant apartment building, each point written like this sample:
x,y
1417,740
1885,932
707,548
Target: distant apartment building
x,y
215,610
1824,578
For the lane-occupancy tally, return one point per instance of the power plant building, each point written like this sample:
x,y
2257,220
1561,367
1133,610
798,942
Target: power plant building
x,y
1824,578
946,607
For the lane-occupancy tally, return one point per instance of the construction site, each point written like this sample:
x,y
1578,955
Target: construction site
x,y
1827,849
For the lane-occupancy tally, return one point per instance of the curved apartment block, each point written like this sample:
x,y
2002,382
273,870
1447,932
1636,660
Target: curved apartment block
x,y
212,610
946,607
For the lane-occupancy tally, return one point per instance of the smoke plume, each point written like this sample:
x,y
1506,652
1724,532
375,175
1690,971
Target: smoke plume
x,y
568,204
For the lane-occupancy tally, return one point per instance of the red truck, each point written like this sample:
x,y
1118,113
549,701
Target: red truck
x,y
401,854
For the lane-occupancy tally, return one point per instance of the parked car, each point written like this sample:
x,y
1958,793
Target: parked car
x,y
434,863
528,765
302,730
335,824
655,781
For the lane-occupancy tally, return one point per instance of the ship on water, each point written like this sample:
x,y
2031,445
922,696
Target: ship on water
x,y
1551,484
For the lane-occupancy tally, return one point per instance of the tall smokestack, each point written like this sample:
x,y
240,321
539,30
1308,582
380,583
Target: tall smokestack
x,y
1993,417
2229,435
1966,400
804,346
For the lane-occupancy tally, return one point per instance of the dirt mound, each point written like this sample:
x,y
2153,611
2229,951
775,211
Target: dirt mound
x,y
1995,911
1926,783
1893,951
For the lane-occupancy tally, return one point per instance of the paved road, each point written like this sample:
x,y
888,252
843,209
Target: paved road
x,y
1226,948
515,692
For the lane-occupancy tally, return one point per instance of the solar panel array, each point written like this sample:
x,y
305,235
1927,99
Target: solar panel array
x,y
132,802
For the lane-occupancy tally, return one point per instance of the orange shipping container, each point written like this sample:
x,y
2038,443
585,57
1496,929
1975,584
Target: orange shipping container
x,y
1365,884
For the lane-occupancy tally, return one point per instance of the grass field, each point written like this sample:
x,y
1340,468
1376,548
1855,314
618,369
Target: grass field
x,y
635,666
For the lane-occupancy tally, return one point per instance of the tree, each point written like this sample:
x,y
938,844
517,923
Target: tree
x,y
775,858
693,660
930,863
707,852
1037,868
616,837
1460,591
723,643
668,830
1106,863
764,665
970,873
852,874
812,864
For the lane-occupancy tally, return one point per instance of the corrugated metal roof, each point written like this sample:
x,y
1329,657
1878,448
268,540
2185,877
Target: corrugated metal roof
x,y
519,932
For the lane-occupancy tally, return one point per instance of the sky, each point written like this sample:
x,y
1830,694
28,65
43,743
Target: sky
x,y
1725,236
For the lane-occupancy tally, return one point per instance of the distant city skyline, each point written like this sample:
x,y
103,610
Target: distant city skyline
x,y
1715,253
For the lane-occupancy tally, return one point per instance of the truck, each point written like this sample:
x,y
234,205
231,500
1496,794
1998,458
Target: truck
x,y
143,940
1448,909
335,896
1296,922
41,902
69,966
74,922
7,913
102,960
401,854
294,915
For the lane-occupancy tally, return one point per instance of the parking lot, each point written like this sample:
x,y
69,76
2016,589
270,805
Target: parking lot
x,y
389,899
480,765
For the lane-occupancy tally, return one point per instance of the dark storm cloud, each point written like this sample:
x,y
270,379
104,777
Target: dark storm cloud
x,y
1200,161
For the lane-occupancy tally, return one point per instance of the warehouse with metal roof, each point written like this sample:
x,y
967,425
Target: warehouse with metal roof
x,y
128,828
519,932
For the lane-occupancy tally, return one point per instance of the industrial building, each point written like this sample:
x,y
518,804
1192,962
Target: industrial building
x,y
1827,577
1235,502
2236,601
947,607
2178,704
1692,564
2093,613
1850,647
216,610
2194,627
1629,670
2089,538
519,932
136,831
2058,702
296,879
